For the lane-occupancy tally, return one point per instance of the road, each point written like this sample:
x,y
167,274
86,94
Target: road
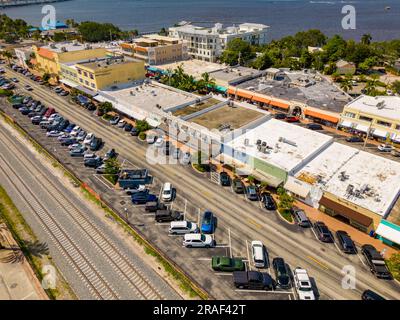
x,y
95,261
245,220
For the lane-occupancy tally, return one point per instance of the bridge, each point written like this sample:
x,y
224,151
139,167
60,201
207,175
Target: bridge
x,y
15,3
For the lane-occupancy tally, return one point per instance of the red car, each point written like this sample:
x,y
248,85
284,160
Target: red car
x,y
292,119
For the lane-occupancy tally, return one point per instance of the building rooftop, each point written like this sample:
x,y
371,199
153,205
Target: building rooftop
x,y
288,146
218,28
232,75
365,179
193,67
383,106
60,47
101,63
311,89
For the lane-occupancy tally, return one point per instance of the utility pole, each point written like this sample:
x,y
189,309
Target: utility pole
x,y
366,138
240,55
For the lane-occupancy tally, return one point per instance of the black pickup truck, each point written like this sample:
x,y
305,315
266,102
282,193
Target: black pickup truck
x,y
168,215
375,262
252,280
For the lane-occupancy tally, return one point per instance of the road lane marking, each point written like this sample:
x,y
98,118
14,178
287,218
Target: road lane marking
x,y
257,225
318,262
204,259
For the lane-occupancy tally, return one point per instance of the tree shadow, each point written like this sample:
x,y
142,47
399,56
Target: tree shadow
x,y
15,254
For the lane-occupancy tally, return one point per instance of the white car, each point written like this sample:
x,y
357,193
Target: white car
x,y
258,254
74,146
64,135
198,240
183,227
89,155
89,138
166,193
159,142
75,131
121,123
53,133
53,117
151,139
385,148
186,158
302,284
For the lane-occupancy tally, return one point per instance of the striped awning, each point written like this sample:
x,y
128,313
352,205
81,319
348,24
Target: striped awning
x,y
396,138
346,123
362,127
380,133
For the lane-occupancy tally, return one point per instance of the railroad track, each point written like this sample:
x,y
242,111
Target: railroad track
x,y
118,260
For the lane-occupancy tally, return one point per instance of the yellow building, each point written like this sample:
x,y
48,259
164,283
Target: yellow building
x,y
48,58
101,73
377,116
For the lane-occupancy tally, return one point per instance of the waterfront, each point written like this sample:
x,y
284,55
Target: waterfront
x,y
284,17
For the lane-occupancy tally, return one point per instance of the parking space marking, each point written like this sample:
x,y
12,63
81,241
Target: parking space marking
x,y
248,254
318,262
204,259
257,225
230,242
359,257
223,273
110,188
337,247
312,229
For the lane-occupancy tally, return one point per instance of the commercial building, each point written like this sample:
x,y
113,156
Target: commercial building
x,y
207,44
155,49
343,67
23,55
48,58
273,150
377,116
303,93
357,187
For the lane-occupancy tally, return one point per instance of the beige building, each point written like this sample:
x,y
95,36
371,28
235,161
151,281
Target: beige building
x,y
155,49
343,67
377,116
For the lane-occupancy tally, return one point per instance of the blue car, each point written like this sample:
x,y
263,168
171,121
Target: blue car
x,y
207,222
69,128
142,197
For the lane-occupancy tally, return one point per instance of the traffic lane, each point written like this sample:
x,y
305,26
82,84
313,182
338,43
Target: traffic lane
x,y
159,173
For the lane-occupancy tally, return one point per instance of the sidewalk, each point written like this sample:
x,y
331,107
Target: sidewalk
x,y
334,225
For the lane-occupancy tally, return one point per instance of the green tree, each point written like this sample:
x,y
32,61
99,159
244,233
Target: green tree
x,y
205,83
8,55
366,39
263,62
396,86
46,77
112,168
105,107
372,84
346,84
96,32
59,36
394,265
142,126
237,52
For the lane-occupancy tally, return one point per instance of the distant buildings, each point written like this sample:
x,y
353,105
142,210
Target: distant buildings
x,y
380,116
208,43
343,67
155,49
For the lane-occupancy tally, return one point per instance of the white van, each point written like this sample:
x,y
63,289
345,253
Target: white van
x,y
258,253
183,227
166,194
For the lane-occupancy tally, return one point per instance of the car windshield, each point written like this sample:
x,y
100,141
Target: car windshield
x,y
203,237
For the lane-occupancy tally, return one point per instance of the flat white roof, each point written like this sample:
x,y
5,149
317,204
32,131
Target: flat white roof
x,y
365,179
383,106
389,231
74,46
193,67
289,146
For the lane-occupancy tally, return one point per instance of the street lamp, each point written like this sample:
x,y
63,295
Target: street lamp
x,y
126,214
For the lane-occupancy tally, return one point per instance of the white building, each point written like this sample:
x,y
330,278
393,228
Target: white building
x,y
23,54
208,43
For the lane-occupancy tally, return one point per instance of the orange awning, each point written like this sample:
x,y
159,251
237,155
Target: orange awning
x,y
279,104
261,99
321,115
240,93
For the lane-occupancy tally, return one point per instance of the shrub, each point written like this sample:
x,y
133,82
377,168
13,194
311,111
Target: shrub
x,y
5,93
142,136
142,125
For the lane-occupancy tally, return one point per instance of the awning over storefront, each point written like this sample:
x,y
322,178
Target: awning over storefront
x,y
380,133
279,104
389,231
240,93
362,127
261,99
396,138
86,90
268,178
297,187
321,114
347,124
69,83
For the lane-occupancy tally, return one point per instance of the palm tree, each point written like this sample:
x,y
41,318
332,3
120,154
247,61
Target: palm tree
x,y
366,39
372,83
8,55
346,85
205,83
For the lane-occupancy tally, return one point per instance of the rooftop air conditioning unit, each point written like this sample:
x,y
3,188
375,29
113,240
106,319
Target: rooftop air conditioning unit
x,y
246,142
258,142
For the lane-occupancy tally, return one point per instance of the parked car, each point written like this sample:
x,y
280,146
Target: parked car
x,y
89,138
78,152
385,148
110,154
24,110
134,132
36,120
224,179
354,139
346,244
268,201
95,144
227,264
142,197
237,186
282,275
208,223
251,193
280,116
168,215
57,89
28,87
75,146
53,133
376,262
101,169
93,162
150,138
198,240
395,153
69,128
64,93
114,121
253,280
68,142
258,254
81,136
75,131
183,227
322,231
314,126
166,194
121,124
371,295
301,218
153,206
292,119
128,127
159,142
302,284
